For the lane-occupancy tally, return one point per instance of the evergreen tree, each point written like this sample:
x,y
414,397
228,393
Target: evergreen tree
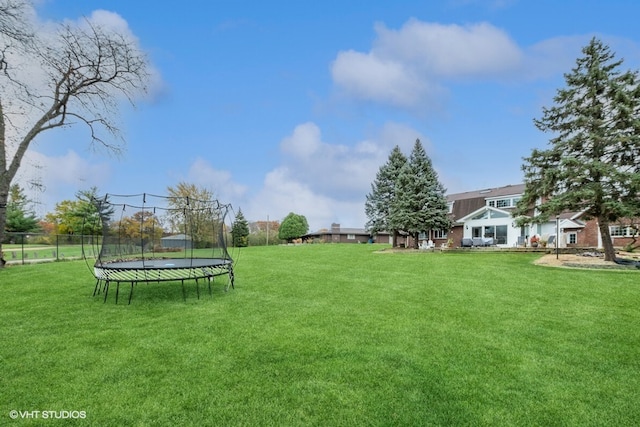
x,y
293,227
383,190
419,204
20,217
240,231
592,163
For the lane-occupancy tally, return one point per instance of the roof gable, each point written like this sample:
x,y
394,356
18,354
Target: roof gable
x,y
502,213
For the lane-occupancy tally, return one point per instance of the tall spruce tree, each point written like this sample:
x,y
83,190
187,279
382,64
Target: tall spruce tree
x,y
419,203
383,190
593,162
20,215
240,231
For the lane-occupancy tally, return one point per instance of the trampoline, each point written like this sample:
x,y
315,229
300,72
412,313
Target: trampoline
x,y
159,239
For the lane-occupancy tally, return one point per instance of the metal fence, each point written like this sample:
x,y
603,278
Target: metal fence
x,y
22,248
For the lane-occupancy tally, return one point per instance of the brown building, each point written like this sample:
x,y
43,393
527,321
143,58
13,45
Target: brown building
x,y
338,234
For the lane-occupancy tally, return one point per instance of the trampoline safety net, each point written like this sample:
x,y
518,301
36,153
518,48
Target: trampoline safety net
x,y
149,238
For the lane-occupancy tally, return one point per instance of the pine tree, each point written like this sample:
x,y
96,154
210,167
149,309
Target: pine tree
x,y
592,164
20,216
240,231
419,203
382,193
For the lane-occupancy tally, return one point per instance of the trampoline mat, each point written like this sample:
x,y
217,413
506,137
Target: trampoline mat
x,y
164,263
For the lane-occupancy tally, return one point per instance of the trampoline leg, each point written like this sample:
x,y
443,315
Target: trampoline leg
x,y
130,292
96,287
106,290
231,278
197,289
210,280
184,293
117,291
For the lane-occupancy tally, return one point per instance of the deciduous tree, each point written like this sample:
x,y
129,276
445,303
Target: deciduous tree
x,y
293,227
78,74
193,210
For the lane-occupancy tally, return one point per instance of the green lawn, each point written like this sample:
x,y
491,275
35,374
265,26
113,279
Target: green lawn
x,y
328,335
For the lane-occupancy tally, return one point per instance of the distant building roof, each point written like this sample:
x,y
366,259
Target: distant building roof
x,y
177,237
488,193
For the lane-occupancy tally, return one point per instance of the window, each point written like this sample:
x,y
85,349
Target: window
x,y
351,236
451,207
622,231
572,238
505,202
489,214
616,231
482,215
439,234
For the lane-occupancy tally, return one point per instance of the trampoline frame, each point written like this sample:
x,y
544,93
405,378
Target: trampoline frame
x,y
160,270
121,256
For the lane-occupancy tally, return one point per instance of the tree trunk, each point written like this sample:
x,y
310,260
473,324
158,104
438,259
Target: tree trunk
x,y
607,243
416,244
4,198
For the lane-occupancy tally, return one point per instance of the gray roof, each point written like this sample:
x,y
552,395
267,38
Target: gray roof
x,y
177,237
507,190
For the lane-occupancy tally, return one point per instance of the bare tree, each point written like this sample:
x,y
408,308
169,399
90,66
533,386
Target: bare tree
x,y
78,74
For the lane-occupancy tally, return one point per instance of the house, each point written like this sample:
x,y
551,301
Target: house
x,y
345,235
181,241
486,216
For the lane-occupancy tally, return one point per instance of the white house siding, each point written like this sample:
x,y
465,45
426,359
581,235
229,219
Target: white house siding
x,y
488,222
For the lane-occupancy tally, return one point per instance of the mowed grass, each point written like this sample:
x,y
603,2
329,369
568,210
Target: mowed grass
x,y
328,335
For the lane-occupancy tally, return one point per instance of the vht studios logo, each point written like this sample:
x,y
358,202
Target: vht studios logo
x,y
47,414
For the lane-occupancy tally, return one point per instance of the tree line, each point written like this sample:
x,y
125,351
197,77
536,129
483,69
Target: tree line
x,y
82,216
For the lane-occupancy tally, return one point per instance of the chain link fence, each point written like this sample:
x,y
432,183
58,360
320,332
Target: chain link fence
x,y
22,248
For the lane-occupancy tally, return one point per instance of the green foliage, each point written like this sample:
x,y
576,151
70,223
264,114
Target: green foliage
x,y
407,195
419,203
20,216
334,335
592,163
293,227
200,203
80,216
383,191
240,231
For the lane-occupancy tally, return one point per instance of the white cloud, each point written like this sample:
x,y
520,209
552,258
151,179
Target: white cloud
x,y
338,171
219,182
449,51
326,182
50,179
410,67
282,194
407,67
370,77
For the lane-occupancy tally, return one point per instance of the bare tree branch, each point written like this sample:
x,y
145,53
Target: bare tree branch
x,y
81,74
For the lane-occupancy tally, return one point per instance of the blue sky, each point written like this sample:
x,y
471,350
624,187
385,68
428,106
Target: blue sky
x,y
292,106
